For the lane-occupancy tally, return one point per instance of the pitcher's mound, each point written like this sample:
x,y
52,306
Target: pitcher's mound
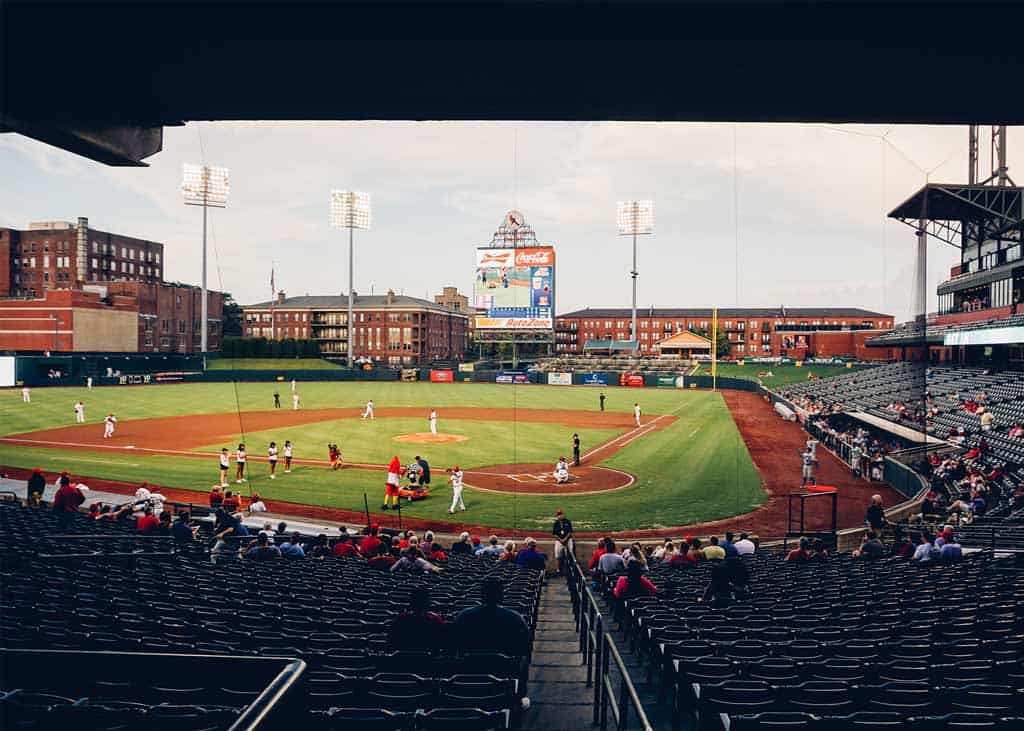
x,y
425,437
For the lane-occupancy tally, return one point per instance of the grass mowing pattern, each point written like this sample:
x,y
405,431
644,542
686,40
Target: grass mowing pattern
x,y
697,469
271,364
781,374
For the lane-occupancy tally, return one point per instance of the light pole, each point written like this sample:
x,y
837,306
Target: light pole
x,y
635,218
350,209
206,186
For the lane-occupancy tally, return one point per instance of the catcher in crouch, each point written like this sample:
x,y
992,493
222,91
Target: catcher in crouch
x,y
561,473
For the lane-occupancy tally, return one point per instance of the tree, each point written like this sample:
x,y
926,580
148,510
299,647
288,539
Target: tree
x,y
721,340
231,317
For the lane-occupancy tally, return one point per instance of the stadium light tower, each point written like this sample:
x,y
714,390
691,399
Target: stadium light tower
x,y
350,209
206,186
635,218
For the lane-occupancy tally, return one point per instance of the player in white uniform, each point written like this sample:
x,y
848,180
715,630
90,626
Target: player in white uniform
x,y
369,410
295,400
225,465
26,395
79,413
636,414
88,382
456,479
561,471
293,385
812,445
108,426
809,463
272,459
433,421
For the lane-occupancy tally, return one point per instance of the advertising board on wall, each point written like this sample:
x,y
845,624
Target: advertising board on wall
x,y
7,370
595,379
514,288
631,380
511,377
670,381
442,376
559,379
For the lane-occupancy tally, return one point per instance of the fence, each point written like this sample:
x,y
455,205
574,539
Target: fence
x,y
599,652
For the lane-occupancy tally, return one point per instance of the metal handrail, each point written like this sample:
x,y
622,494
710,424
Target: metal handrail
x,y
598,649
256,712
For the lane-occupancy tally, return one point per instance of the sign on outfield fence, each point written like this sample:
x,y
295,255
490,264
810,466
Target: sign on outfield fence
x,y
670,381
560,379
595,379
511,377
632,380
441,376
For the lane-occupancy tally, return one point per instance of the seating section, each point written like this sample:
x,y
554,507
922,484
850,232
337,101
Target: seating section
x,y
842,643
333,613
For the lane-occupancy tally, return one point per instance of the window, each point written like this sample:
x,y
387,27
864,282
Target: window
x,y
131,253
32,260
95,247
157,258
46,261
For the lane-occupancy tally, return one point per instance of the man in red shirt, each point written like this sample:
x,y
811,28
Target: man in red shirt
x,y
216,497
344,548
231,502
368,545
801,553
596,555
66,502
148,522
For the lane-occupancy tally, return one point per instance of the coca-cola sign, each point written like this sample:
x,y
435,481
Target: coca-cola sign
x,y
534,257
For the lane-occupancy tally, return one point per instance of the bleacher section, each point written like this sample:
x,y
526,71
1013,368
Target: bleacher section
x,y
108,590
837,644
909,334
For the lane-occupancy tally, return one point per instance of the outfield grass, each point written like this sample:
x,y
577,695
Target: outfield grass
x,y
271,364
781,374
696,469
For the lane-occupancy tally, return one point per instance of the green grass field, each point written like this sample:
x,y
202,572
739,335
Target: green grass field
x,y
271,364
696,469
781,374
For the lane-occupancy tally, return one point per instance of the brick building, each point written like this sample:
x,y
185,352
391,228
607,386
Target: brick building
x,y
392,329
55,268
752,331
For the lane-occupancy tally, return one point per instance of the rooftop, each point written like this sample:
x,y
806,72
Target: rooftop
x,y
726,312
361,301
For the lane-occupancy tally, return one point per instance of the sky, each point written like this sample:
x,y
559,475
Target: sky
x,y
750,215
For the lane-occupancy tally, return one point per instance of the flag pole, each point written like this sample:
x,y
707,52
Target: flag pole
x,y
714,348
273,299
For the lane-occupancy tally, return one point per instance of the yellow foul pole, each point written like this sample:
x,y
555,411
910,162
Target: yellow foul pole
x,y
714,349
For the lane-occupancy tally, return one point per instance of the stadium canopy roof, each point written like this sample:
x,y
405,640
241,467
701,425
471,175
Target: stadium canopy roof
x,y
137,67
916,436
611,346
685,340
960,215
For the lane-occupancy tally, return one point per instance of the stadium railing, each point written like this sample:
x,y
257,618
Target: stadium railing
x,y
599,652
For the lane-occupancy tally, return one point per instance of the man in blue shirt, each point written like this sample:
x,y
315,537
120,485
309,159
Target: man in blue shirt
x,y
530,557
182,531
292,548
728,545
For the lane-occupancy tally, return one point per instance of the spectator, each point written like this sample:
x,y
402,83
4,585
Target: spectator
x,y
216,497
182,531
462,546
475,545
412,560
368,545
801,553
719,590
256,505
231,503
744,545
262,549
382,560
428,539
267,530
147,523
492,627
925,549
35,488
658,554
510,552
713,550
493,548
950,552
610,562
634,583
66,502
344,548
728,546
531,558
600,551
874,517
436,553
163,527
281,529
417,628
818,550
668,552
871,549
906,547
292,548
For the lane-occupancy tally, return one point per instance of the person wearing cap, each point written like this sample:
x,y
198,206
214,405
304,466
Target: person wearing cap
x,y
562,531
456,479
475,545
36,487
66,502
530,557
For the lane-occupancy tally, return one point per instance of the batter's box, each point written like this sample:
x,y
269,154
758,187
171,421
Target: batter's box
x,y
542,477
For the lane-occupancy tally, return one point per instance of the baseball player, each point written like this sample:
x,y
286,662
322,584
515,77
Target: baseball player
x,y
295,400
240,463
455,477
225,464
272,459
108,426
812,445
88,382
334,454
26,395
293,385
433,421
277,400
369,410
636,414
393,480
79,413
809,463
855,456
561,473
287,456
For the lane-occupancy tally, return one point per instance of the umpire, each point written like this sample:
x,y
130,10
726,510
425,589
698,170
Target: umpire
x,y
576,450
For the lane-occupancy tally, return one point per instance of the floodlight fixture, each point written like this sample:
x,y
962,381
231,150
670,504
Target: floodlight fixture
x,y
350,209
206,186
635,218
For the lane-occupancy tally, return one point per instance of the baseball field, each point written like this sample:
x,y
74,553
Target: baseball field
x,y
687,464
